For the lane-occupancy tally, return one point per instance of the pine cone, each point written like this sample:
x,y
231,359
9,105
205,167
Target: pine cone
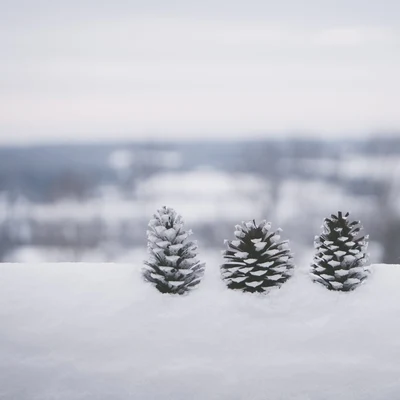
x,y
340,258
172,267
256,260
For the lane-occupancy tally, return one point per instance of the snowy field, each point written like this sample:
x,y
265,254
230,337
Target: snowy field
x,y
97,331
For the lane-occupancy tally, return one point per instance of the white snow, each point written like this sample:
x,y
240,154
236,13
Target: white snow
x,y
260,246
161,243
341,272
246,270
254,284
239,234
334,263
337,285
352,281
170,234
271,252
259,272
241,254
266,264
172,259
97,331
250,260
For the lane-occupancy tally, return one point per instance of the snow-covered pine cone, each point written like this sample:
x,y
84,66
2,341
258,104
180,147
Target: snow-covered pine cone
x,y
256,260
339,263
172,265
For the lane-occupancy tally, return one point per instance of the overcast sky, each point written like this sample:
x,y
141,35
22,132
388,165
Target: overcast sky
x,y
91,70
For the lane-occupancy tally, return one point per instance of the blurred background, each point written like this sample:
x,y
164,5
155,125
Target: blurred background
x,y
227,111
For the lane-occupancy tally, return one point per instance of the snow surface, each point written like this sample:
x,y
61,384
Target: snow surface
x,y
97,331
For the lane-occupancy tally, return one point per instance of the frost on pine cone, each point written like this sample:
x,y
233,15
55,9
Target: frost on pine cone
x,y
172,267
256,260
339,262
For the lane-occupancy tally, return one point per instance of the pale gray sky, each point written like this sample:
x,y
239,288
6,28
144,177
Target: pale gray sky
x,y
91,70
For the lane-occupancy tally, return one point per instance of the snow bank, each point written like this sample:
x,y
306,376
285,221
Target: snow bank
x,y
96,331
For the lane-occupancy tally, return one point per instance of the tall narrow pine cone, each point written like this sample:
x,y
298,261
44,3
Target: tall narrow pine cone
x,y
172,266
